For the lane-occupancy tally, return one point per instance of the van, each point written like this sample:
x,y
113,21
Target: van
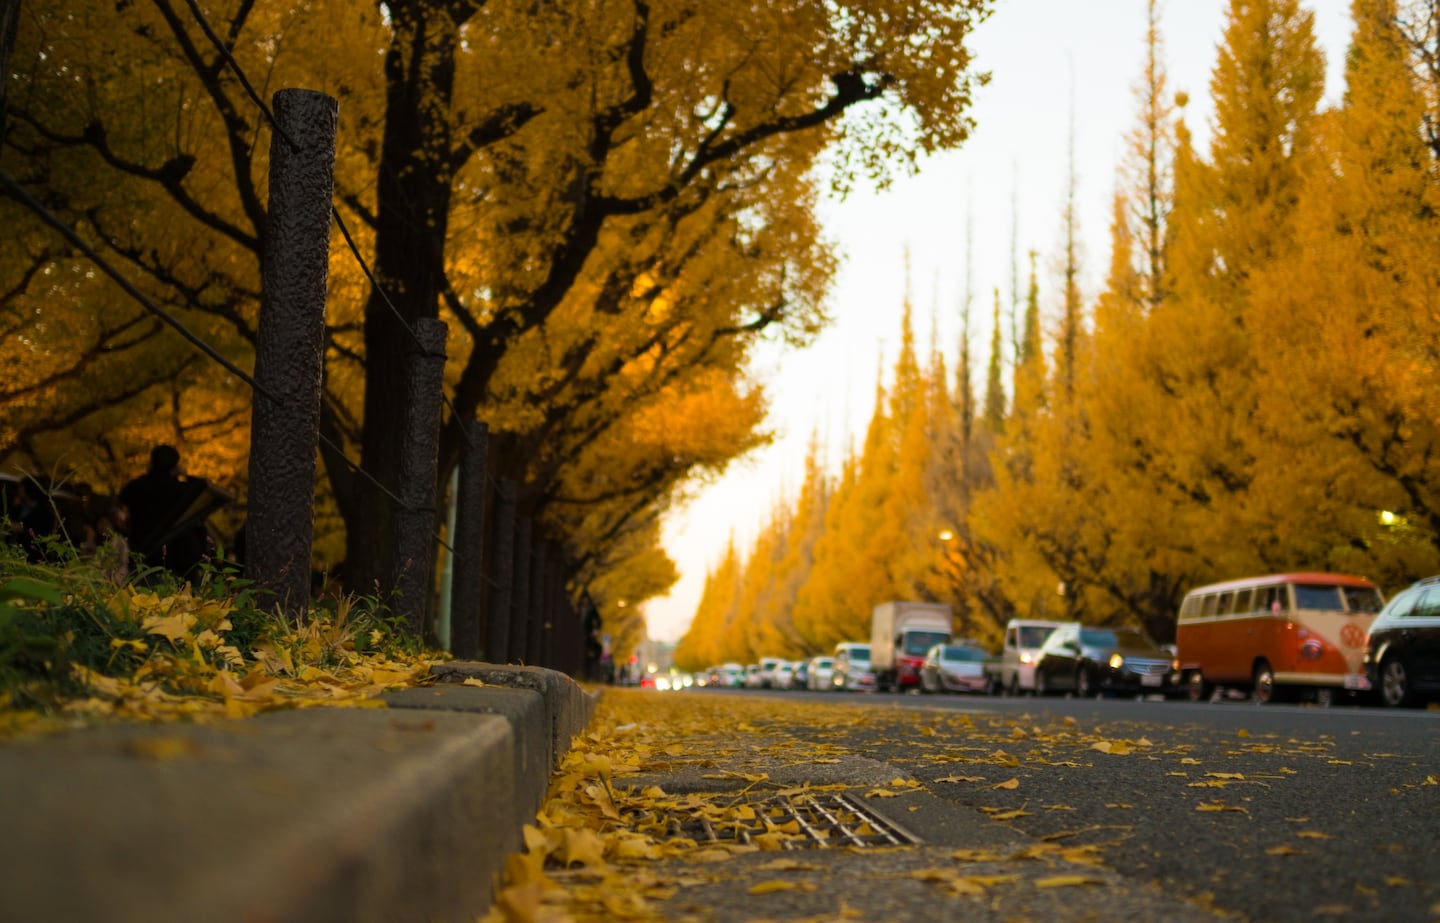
x,y
1280,636
1014,672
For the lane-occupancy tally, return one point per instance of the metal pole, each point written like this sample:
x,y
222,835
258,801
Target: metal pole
x,y
447,571
279,530
520,602
414,577
497,637
539,602
467,588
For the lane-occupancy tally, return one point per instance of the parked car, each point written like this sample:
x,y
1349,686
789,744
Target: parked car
x,y
1093,661
852,670
752,677
800,676
731,675
954,668
783,675
1402,652
767,671
820,676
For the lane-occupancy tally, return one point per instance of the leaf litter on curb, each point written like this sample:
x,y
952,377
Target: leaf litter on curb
x,y
602,849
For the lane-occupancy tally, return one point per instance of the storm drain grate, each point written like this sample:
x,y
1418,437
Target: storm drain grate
x,y
812,820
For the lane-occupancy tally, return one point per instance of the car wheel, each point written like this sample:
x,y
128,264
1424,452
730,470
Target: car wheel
x,y
1395,689
1083,689
1263,689
1040,686
1324,696
1196,688
1014,688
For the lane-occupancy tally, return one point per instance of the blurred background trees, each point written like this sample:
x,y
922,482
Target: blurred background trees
x,y
1252,391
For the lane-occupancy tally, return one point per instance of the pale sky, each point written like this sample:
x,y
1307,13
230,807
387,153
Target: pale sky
x,y
1039,53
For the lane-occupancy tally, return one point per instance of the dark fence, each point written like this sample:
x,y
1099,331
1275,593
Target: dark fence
x,y
509,599
509,603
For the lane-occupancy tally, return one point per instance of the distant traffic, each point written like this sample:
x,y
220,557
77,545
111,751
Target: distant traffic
x,y
1306,637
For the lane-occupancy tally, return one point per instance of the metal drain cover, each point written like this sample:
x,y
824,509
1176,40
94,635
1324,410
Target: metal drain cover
x,y
812,820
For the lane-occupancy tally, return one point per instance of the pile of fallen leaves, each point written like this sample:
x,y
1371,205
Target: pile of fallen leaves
x,y
75,649
602,847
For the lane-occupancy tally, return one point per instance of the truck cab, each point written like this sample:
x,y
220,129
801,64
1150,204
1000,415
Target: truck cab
x,y
1014,673
901,633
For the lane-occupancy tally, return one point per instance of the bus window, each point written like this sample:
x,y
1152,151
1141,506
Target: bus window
x,y
1361,599
1318,596
1223,605
1190,607
1275,598
1208,606
1242,604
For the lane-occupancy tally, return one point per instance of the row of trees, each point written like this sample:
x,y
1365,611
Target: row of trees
x,y
1253,390
608,203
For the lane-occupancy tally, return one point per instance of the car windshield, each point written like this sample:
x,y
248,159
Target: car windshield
x,y
1127,638
1034,635
1362,599
968,654
1324,596
861,654
824,663
918,642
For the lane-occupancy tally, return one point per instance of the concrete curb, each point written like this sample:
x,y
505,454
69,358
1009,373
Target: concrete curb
x,y
401,813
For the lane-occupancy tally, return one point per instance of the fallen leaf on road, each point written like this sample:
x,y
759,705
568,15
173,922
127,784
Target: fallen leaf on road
x,y
1008,784
1284,851
780,884
1068,881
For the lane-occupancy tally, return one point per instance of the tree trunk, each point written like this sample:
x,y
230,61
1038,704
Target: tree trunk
x,y
412,212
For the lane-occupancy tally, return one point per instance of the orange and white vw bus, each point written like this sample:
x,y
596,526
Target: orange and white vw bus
x,y
1281,636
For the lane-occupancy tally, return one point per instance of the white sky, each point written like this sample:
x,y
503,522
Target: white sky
x,y
1039,52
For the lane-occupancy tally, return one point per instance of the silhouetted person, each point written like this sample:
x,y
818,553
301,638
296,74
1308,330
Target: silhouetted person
x,y
32,518
155,502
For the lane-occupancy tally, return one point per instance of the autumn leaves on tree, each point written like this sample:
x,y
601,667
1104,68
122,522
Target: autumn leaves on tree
x,y
608,203
1252,391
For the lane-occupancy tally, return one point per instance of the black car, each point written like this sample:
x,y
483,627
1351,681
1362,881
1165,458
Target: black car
x,y
1402,652
1091,661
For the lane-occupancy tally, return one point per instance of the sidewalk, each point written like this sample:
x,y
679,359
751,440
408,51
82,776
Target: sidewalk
x,y
699,806
319,814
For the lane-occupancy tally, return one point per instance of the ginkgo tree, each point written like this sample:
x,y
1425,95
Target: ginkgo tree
x,y
605,201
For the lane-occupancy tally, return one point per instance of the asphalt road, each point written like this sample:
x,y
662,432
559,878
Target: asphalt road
x,y
1274,813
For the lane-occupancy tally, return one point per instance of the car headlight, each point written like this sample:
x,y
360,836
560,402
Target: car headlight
x,y
1116,661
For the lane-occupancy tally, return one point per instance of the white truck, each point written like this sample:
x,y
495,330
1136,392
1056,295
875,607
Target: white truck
x,y
900,635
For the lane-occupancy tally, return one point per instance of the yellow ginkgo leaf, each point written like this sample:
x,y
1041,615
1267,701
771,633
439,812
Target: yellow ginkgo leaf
x,y
1008,785
780,884
1068,881
582,846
